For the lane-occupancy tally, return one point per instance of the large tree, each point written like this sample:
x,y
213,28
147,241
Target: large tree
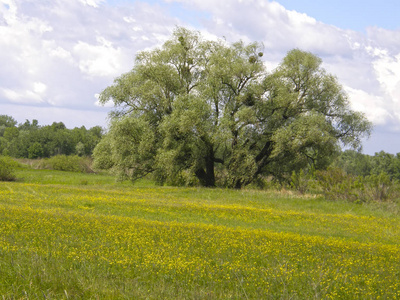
x,y
194,108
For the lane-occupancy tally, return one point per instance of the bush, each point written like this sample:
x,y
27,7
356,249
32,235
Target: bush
x,y
71,163
336,184
7,169
102,154
379,187
301,181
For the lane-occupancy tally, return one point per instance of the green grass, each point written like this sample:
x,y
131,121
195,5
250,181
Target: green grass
x,y
83,236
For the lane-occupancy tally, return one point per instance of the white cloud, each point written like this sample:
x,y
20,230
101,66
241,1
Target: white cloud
x,y
60,53
387,69
93,3
386,39
22,96
39,87
8,11
371,105
269,22
101,59
55,51
129,19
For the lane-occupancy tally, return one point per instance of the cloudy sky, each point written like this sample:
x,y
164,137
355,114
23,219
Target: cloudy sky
x,y
57,55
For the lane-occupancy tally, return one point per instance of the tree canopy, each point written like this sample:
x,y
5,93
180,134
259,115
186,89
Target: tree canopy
x,y
30,140
358,164
204,111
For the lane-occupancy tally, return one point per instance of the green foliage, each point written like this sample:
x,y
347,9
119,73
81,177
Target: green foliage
x,y
380,187
35,150
129,148
302,181
11,133
6,122
386,163
193,108
242,167
72,163
7,169
29,140
103,155
336,184
359,164
80,149
28,126
354,162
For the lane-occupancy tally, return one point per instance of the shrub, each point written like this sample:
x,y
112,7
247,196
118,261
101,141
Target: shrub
x,y
336,184
301,181
7,169
71,163
379,187
102,154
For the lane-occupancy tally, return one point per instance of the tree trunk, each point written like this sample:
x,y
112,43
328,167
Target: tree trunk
x,y
262,159
207,176
238,184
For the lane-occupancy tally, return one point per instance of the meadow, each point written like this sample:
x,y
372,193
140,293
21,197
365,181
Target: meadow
x,y
83,236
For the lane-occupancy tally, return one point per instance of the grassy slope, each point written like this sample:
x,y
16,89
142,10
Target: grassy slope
x,y
66,235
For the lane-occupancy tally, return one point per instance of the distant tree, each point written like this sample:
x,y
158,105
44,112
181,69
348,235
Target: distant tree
x,y
11,133
396,164
35,150
86,139
58,126
80,149
61,142
28,125
193,107
383,162
355,163
30,140
6,122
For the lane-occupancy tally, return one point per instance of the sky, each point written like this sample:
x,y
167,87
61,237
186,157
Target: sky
x,y
57,55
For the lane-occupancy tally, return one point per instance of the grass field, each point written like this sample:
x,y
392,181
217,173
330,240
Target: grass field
x,y
82,236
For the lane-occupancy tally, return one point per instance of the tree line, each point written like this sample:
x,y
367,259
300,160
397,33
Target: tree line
x,y
31,140
359,164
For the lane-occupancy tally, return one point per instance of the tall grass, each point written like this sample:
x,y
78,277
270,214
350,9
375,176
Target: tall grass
x,y
60,239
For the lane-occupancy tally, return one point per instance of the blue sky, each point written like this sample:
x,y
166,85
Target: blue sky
x,y
58,55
